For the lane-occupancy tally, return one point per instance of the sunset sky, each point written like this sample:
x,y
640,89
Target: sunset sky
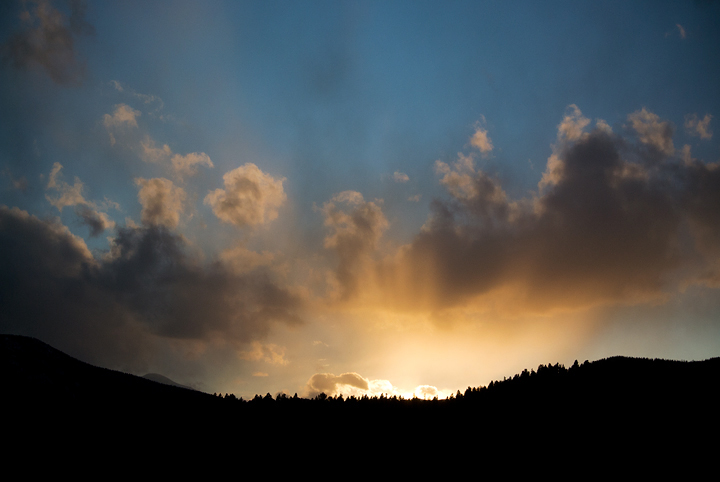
x,y
400,197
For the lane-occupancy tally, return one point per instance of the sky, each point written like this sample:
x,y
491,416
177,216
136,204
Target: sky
x,y
399,197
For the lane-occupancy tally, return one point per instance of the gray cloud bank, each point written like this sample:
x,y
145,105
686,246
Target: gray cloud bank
x,y
617,218
112,310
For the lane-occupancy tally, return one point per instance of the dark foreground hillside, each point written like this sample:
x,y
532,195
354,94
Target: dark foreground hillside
x,y
623,408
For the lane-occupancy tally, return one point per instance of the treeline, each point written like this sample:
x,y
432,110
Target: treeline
x,y
544,374
617,377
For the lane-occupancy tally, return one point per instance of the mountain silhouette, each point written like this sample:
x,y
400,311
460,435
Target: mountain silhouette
x,y
156,377
634,410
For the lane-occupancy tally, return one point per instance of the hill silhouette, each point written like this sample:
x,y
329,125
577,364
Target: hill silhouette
x,y
33,371
156,377
615,405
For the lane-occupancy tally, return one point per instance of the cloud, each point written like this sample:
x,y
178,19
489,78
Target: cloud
x,y
124,119
331,385
150,153
162,201
268,353
44,291
97,221
355,228
652,131
182,166
48,41
243,260
250,197
118,86
151,101
571,128
415,198
400,177
681,30
697,127
69,195
115,310
187,165
481,140
123,115
353,384
19,184
474,188
188,299
573,123
428,392
615,226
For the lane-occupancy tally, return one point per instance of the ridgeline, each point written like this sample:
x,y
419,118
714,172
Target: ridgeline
x,y
616,402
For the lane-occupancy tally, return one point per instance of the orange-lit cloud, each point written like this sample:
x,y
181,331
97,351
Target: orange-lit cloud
x,y
250,197
400,177
162,201
67,195
355,227
151,153
481,140
123,115
243,260
187,165
353,384
268,353
182,166
652,131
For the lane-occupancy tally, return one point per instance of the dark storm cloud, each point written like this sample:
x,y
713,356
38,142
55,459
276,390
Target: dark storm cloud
x,y
603,229
179,297
47,290
48,40
147,288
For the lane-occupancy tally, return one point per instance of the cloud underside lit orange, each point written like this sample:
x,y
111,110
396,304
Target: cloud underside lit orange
x,y
617,219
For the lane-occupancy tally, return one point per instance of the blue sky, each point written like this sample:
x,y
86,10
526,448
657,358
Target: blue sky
x,y
385,187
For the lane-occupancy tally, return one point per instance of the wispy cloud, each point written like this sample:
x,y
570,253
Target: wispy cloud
x,y
681,30
153,103
400,177
698,127
652,131
67,195
268,353
187,165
